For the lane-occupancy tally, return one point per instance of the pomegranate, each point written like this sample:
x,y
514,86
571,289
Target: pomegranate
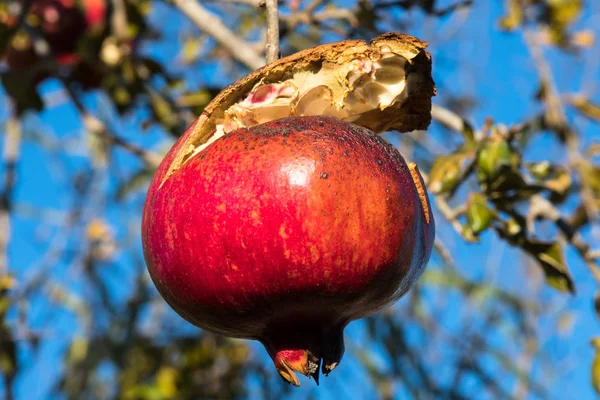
x,y
285,225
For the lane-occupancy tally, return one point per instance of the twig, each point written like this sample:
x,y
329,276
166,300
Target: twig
x,y
449,119
542,207
450,214
97,127
557,119
253,3
12,144
272,48
443,252
407,4
556,110
119,20
337,13
212,25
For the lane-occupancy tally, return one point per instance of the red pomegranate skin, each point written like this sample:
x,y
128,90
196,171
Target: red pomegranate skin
x,y
284,233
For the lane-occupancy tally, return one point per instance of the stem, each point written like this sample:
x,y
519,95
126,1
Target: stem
x,y
272,48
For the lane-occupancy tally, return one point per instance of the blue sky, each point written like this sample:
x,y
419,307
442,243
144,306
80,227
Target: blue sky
x,y
470,57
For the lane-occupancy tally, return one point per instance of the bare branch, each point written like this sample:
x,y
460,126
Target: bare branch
x,y
443,252
448,118
12,144
337,13
272,49
253,3
450,214
119,19
97,127
542,207
212,25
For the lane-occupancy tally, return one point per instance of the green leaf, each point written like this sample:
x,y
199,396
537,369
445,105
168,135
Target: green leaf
x,y
479,216
508,178
447,170
494,155
550,257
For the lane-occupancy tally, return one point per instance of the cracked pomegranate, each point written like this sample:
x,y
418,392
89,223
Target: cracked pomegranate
x,y
285,232
281,216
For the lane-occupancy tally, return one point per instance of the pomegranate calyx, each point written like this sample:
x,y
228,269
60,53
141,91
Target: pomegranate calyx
x,y
305,349
302,361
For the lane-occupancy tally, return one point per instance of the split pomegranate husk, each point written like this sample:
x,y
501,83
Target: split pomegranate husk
x,y
272,222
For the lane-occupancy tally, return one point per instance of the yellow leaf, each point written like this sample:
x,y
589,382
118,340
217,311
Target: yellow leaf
x,y
563,12
7,282
513,17
166,380
78,350
596,365
586,108
584,38
97,230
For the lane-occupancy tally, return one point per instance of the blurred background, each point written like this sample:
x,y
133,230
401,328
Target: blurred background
x,y
93,94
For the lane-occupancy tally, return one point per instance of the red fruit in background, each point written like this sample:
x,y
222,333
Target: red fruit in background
x,y
61,24
95,13
285,232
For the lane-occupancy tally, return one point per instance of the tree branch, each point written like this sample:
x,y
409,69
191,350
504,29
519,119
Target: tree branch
x,y
272,48
97,127
12,144
253,3
448,118
213,26
542,207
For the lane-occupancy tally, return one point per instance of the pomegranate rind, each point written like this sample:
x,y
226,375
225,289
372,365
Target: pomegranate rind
x,y
332,62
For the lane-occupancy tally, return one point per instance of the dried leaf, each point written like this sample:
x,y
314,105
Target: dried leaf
x,y
191,50
584,39
595,371
514,16
589,175
586,108
556,179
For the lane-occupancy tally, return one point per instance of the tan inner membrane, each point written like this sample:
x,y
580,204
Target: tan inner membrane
x,y
344,91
